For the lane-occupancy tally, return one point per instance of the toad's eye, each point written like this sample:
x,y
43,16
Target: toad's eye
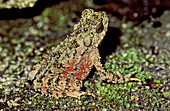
x,y
100,27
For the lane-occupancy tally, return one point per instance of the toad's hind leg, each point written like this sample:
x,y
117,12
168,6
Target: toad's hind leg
x,y
66,86
50,84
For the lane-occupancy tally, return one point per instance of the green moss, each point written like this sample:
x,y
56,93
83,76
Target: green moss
x,y
127,106
46,12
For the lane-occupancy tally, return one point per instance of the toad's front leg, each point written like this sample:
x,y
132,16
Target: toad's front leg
x,y
109,77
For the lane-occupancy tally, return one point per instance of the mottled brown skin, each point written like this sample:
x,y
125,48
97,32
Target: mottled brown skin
x,y
61,72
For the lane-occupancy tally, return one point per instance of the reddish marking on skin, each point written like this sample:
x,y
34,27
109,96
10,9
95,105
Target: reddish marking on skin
x,y
44,90
83,67
81,72
97,41
70,68
94,59
54,71
72,81
87,64
79,50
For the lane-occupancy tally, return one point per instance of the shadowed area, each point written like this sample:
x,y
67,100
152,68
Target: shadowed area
x,y
30,12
